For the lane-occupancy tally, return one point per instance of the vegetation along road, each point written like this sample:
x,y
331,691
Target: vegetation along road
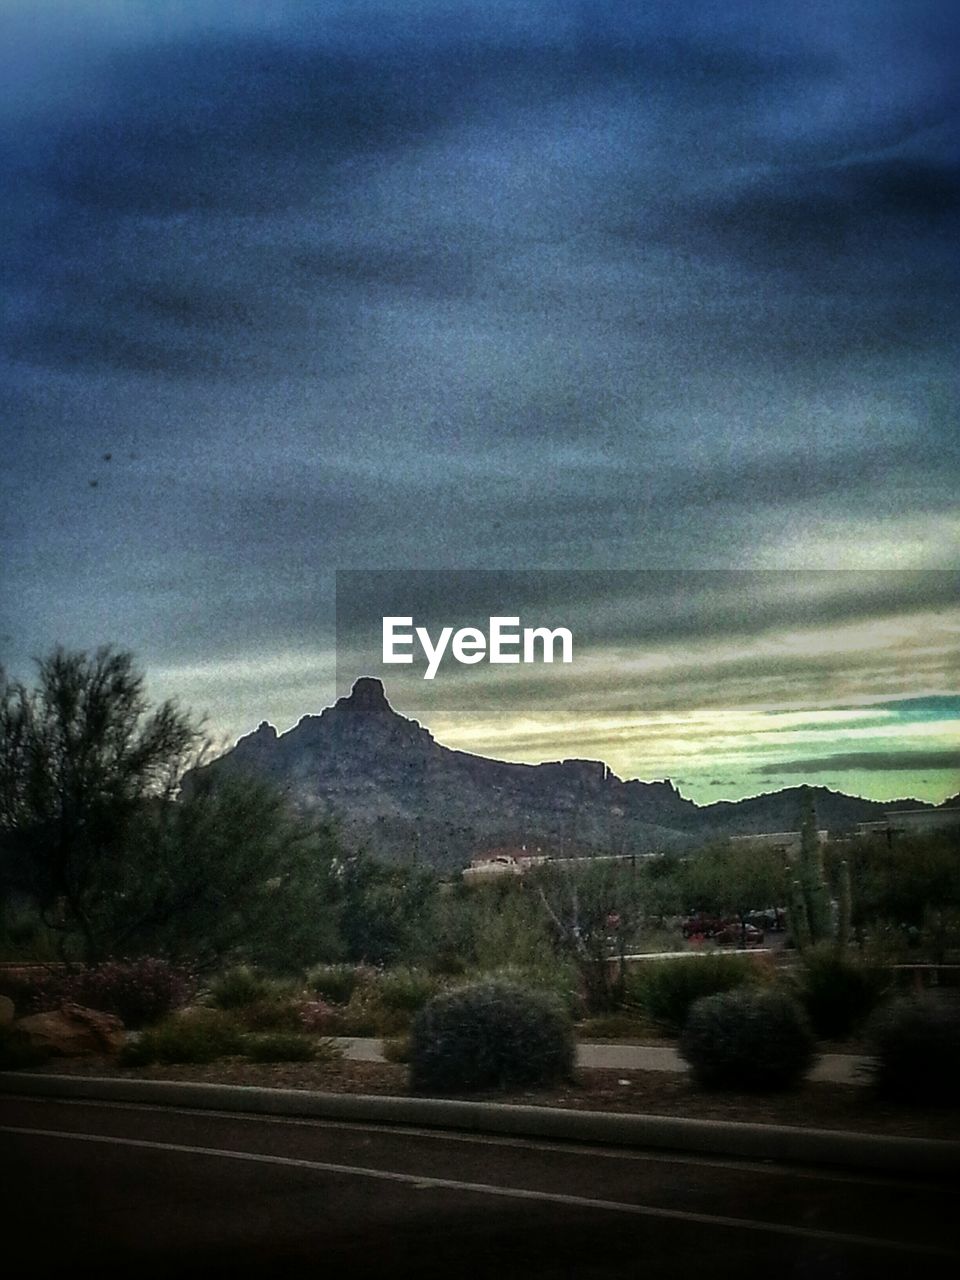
x,y
138,1191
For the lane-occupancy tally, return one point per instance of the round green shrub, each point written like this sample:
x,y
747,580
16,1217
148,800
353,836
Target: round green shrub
x,y
753,1039
560,981
837,992
490,1035
916,1051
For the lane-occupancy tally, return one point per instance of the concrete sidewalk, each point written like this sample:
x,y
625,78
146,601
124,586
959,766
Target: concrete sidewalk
x,y
835,1068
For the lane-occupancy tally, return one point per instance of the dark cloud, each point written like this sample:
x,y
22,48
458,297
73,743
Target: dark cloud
x,y
243,126
815,220
583,286
643,608
904,761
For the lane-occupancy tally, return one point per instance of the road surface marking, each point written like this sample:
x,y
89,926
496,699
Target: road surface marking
x,y
489,1189
735,1165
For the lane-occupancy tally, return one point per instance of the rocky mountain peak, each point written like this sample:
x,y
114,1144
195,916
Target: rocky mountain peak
x,y
392,788
368,695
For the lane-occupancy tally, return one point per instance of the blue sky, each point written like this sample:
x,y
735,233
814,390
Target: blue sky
x,y
304,286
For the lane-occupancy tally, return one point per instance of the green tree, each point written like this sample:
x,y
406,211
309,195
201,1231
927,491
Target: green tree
x,y
594,908
386,912
910,885
94,832
662,887
80,754
735,880
227,872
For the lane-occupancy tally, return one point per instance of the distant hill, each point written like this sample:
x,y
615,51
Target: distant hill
x,y
397,792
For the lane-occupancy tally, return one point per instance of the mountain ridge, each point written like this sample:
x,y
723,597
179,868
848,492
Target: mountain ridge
x,y
393,789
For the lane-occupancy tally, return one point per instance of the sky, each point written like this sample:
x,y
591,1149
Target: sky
x,y
300,287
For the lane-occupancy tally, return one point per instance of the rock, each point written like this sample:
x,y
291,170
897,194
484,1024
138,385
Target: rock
x,y
71,1031
6,1011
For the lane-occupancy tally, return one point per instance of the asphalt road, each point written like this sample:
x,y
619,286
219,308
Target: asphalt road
x,y
141,1191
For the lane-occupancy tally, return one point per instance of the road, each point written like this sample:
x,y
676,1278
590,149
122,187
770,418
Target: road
x,y
138,1191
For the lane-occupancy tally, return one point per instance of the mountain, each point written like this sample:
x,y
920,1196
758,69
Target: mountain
x,y
394,790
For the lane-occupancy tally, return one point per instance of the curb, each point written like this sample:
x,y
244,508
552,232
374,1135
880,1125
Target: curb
x,y
776,1143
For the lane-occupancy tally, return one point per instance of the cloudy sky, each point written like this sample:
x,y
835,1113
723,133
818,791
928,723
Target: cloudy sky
x,y
304,286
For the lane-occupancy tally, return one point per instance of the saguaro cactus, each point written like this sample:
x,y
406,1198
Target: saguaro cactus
x,y
809,903
845,900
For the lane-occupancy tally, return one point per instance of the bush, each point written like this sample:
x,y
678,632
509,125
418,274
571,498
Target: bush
x,y
754,1039
560,981
25,938
317,1016
336,983
490,1035
276,1013
397,1049
612,1026
138,991
363,1015
916,1050
16,1052
280,1046
405,990
193,1035
665,990
237,988
837,992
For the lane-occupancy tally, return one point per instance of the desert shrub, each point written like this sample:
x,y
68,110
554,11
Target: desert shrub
x,y
665,990
560,981
405,990
753,1039
280,1046
658,938
318,1016
363,1015
336,983
490,1034
192,1035
612,1026
17,1053
241,986
25,938
22,988
837,992
272,1013
916,1050
397,1048
139,991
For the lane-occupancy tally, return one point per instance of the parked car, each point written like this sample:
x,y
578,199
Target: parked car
x,y
699,924
735,934
771,920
